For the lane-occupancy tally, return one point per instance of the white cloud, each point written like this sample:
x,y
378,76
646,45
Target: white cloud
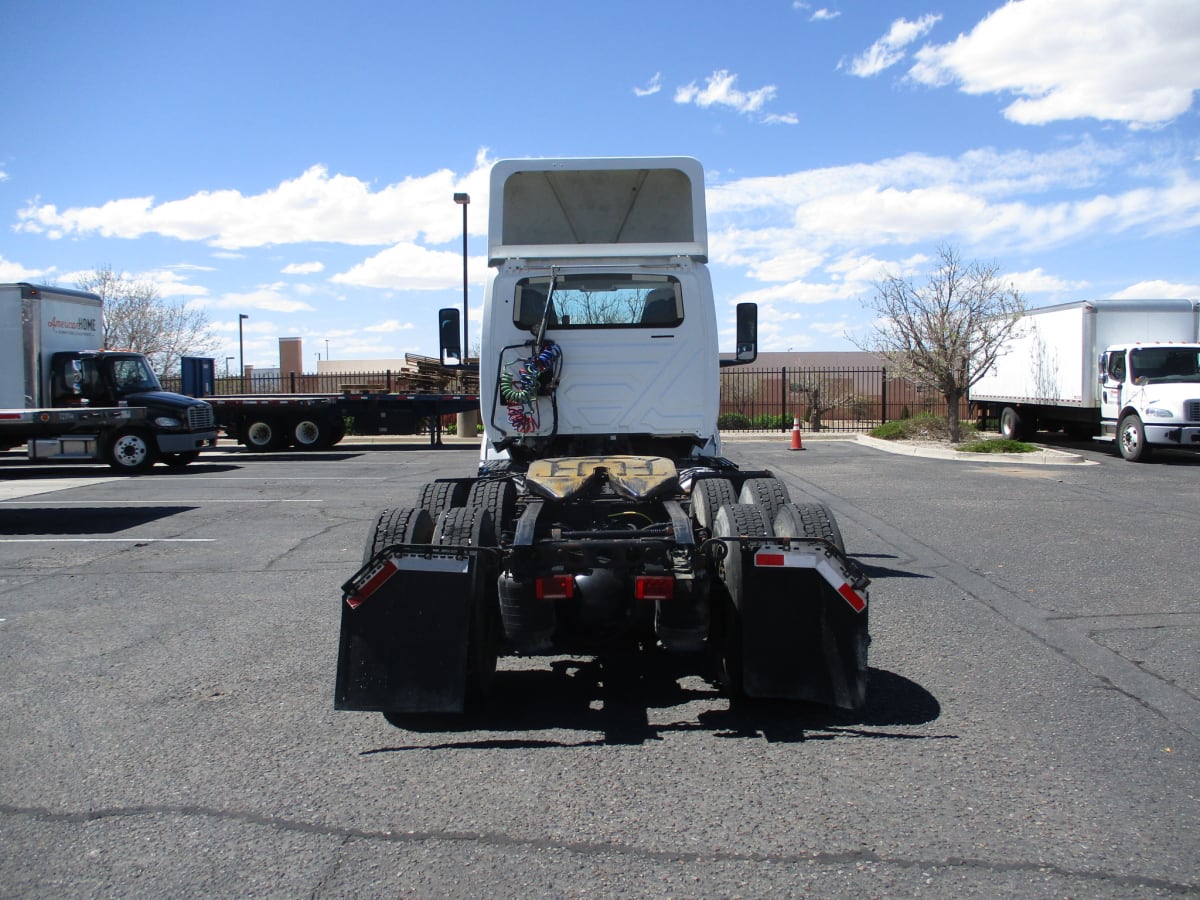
x,y
408,267
11,271
315,206
1158,290
889,49
824,15
719,90
653,86
390,326
1038,281
984,198
268,297
1131,61
308,268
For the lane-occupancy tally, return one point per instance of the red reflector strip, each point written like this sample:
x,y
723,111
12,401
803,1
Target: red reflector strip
x,y
374,583
769,559
654,587
857,603
554,587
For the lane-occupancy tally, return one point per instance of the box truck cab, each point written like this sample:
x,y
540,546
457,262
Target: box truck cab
x,y
51,360
1151,393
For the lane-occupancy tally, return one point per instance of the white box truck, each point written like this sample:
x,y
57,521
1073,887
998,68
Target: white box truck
x,y
66,398
1126,371
603,513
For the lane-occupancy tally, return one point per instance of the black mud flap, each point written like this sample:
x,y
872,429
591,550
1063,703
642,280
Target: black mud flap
x,y
804,628
405,624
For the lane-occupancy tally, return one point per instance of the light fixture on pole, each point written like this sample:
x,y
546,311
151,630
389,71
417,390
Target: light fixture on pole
x,y
228,360
464,201
241,353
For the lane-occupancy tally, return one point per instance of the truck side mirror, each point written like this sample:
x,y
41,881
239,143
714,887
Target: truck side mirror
x,y
747,336
450,335
1102,369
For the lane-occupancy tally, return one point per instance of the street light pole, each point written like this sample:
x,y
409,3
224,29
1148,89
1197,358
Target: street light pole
x,y
241,354
464,201
228,360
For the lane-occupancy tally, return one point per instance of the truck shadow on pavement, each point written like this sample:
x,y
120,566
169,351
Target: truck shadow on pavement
x,y
613,698
82,520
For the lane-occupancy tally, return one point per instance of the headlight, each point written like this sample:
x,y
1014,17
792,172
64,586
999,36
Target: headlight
x,y
167,422
1160,413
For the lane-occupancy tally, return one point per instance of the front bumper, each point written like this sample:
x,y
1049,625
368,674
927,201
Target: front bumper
x,y
1173,435
186,442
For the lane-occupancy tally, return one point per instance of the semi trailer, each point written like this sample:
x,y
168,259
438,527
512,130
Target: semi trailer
x,y
1122,371
67,398
603,511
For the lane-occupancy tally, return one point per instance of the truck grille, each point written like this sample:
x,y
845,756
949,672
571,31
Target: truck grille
x,y
1191,410
200,418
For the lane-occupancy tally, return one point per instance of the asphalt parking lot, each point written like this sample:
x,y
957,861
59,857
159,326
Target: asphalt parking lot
x,y
167,649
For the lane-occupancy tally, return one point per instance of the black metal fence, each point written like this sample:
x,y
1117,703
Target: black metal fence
x,y
824,399
752,399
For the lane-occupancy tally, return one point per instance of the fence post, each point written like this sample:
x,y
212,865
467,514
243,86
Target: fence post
x,y
783,392
388,381
883,397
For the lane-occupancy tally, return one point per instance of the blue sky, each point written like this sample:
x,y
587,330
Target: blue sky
x,y
295,161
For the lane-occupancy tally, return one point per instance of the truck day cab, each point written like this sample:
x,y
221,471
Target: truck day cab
x,y
1125,371
68,399
603,512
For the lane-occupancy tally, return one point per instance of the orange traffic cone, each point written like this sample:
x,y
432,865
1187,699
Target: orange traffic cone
x,y
796,444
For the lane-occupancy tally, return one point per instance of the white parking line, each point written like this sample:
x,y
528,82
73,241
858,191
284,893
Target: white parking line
x,y
126,540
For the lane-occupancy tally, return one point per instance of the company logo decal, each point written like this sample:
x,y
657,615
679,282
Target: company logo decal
x,y
83,323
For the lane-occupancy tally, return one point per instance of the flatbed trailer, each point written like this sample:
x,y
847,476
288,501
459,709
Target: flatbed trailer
x,y
262,422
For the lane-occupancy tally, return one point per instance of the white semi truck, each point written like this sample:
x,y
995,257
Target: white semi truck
x,y
1126,371
603,512
65,398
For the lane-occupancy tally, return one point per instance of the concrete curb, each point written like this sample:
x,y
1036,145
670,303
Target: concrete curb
x,y
1046,456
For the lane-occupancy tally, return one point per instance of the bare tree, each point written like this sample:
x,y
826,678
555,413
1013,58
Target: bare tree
x,y
824,396
947,333
138,318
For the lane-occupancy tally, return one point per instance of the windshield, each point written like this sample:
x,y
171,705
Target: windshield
x,y
131,375
1159,365
599,301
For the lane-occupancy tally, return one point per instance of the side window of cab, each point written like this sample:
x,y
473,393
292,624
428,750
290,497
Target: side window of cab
x,y
1116,366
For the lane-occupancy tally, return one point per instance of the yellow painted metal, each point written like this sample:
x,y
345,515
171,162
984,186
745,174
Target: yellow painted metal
x,y
632,477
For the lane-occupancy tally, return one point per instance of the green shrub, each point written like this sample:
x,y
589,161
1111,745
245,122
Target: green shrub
x,y
733,421
769,423
997,445
921,427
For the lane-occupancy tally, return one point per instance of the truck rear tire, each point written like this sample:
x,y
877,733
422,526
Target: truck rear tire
x,y
708,496
809,520
1013,425
261,435
1131,439
499,498
439,496
131,451
473,526
769,493
398,525
734,520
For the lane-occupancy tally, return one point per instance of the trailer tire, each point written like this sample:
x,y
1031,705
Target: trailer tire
x,y
308,434
473,526
262,435
809,520
732,521
1131,439
708,496
439,496
398,525
769,493
131,451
